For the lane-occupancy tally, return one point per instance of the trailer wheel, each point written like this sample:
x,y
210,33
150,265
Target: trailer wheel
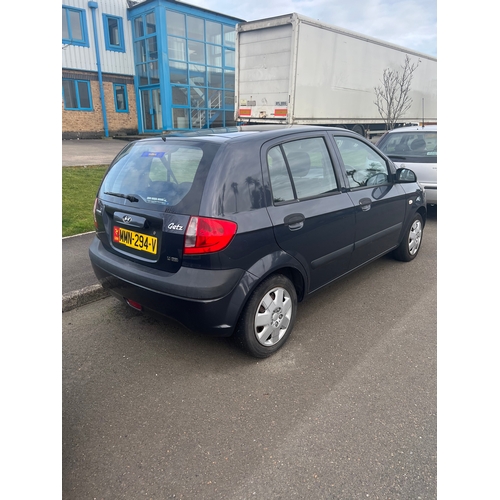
x,y
359,129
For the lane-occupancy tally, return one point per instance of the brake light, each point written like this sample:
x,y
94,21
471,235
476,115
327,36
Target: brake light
x,y
205,235
94,212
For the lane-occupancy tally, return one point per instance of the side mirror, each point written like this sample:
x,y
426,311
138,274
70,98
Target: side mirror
x,y
405,175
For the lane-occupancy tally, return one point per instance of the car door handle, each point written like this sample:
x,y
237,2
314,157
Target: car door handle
x,y
294,221
365,204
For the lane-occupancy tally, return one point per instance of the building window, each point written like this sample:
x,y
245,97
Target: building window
x,y
146,50
205,85
176,23
229,36
214,31
74,27
113,33
76,95
196,28
121,100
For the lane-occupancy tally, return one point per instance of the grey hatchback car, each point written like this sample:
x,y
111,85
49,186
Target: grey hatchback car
x,y
415,148
227,232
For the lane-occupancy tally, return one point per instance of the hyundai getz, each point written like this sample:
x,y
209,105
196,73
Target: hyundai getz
x,y
227,232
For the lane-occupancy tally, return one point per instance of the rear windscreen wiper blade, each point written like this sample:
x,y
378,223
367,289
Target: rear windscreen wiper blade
x,y
129,197
396,157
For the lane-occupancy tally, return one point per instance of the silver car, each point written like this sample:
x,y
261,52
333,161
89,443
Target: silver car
x,y
415,148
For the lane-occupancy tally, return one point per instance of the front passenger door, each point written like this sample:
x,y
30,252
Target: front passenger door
x,y
379,201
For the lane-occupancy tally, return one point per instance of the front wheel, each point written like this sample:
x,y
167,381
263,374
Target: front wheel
x,y
409,247
268,317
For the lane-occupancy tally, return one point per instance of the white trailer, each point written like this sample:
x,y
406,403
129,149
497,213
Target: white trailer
x,y
295,70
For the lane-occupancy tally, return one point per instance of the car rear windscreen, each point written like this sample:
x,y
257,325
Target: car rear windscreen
x,y
158,174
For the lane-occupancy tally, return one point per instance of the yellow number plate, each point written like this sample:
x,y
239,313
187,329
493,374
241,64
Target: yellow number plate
x,y
139,241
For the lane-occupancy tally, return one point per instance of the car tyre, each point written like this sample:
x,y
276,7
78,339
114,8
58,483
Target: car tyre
x,y
268,317
412,240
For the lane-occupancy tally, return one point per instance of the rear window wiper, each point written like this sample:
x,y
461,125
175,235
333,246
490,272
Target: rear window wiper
x,y
396,157
129,197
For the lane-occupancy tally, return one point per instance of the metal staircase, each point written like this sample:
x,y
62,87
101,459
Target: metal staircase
x,y
199,116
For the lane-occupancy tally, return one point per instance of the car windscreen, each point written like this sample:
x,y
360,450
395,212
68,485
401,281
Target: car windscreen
x,y
419,146
159,174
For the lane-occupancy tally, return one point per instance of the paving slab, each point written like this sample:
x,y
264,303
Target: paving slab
x,y
81,152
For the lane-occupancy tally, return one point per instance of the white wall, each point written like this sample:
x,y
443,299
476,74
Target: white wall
x,y
84,58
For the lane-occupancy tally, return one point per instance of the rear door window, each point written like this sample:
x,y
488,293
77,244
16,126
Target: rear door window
x,y
300,169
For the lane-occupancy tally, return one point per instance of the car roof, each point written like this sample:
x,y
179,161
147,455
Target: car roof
x,y
428,128
241,132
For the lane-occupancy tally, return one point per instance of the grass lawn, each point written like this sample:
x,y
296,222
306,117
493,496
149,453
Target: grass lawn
x,y
79,187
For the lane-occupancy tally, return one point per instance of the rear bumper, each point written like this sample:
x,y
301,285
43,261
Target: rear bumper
x,y
206,301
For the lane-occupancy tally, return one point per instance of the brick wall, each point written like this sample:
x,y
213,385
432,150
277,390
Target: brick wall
x,y
90,124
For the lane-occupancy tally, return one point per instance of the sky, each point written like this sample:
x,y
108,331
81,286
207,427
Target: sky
x,y
409,23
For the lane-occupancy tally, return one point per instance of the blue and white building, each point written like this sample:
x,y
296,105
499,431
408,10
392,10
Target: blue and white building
x,y
145,67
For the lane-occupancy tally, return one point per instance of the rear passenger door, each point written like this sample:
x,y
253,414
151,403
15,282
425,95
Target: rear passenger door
x,y
380,202
313,218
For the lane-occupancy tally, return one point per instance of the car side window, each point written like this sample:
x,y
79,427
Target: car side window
x,y
280,180
364,167
301,169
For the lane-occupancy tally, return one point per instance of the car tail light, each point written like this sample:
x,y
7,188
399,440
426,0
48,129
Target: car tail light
x,y
205,235
97,209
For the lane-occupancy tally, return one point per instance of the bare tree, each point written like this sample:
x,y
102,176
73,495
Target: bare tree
x,y
393,95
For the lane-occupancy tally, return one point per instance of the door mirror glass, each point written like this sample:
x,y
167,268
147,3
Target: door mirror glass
x,y
405,175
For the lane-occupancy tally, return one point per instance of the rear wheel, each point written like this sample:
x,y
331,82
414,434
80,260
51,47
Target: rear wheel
x,y
409,247
268,317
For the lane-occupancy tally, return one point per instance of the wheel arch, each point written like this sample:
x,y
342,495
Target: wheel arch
x,y
423,213
281,262
278,262
295,277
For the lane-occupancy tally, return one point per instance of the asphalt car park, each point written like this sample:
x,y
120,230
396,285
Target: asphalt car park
x,y
346,410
